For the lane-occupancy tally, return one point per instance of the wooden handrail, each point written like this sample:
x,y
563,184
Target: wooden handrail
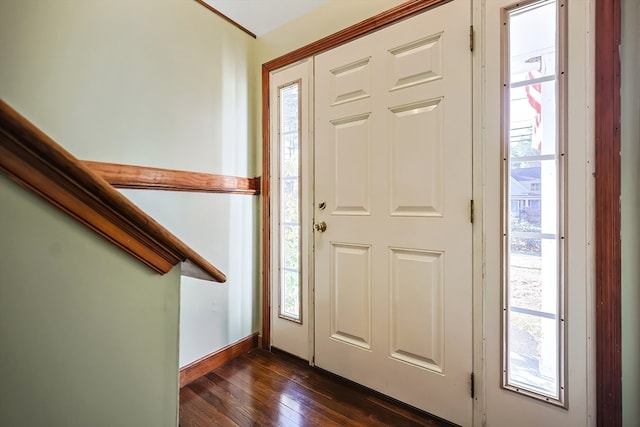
x,y
35,161
147,178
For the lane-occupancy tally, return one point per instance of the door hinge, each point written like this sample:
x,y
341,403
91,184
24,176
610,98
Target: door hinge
x,y
473,391
471,38
471,209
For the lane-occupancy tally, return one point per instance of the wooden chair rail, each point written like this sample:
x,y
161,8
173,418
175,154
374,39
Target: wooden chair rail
x,y
147,178
35,161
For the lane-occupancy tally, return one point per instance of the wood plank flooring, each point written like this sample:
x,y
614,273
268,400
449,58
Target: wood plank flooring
x,y
273,389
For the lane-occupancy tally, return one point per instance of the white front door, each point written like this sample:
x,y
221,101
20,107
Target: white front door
x,y
393,185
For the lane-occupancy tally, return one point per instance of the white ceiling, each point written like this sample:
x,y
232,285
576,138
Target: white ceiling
x,y
262,16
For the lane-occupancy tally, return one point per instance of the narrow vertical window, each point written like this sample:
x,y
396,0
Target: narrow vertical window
x,y
289,212
533,205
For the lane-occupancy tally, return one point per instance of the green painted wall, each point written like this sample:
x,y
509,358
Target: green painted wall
x,y
161,83
630,133
88,335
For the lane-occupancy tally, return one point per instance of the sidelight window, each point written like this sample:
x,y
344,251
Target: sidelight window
x,y
533,206
289,209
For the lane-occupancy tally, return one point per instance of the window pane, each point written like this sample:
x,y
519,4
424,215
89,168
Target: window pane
x,y
291,245
532,353
289,214
532,114
525,280
532,205
291,293
532,41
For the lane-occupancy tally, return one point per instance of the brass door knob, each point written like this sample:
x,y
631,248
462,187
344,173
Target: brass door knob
x,y
320,226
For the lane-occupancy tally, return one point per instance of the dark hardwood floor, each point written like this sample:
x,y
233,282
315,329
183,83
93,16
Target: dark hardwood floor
x,y
274,389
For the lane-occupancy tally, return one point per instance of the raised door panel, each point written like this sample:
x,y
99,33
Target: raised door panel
x,y
351,141
350,301
417,308
350,82
416,62
416,156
